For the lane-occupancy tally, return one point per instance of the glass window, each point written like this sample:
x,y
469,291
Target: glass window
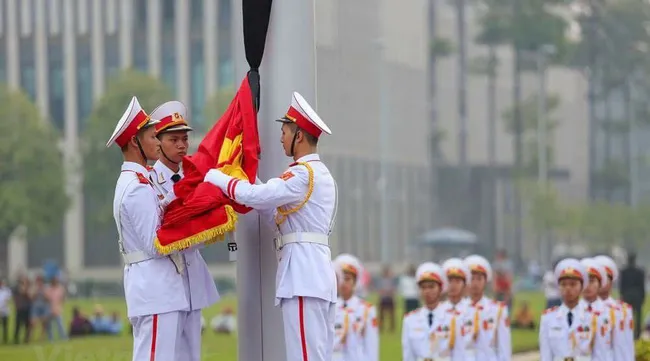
x,y
168,11
112,54
140,56
169,62
84,82
140,14
55,83
196,7
198,82
3,63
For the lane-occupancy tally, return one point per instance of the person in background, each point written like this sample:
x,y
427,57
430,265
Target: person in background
x,y
632,290
100,321
5,297
387,292
551,288
22,309
225,322
115,325
55,295
40,313
503,270
80,325
409,290
524,317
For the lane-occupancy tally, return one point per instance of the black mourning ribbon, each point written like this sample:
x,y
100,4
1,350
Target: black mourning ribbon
x,y
430,319
176,177
569,318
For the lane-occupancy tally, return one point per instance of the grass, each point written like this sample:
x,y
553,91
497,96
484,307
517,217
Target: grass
x,y
215,347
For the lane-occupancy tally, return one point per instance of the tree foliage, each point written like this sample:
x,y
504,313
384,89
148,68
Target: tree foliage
x,y
101,165
32,175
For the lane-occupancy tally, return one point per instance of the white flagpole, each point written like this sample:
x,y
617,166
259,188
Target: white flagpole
x,y
289,64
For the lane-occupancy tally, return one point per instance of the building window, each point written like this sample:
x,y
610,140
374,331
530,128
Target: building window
x,y
112,54
196,7
55,81
27,75
84,81
168,11
169,62
141,14
140,56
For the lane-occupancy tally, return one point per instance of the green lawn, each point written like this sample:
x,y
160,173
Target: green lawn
x,y
215,347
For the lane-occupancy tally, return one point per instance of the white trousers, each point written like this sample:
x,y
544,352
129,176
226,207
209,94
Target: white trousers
x,y
155,337
189,346
308,328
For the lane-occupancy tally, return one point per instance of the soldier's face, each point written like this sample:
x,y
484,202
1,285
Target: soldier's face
x,y
174,145
149,142
456,287
477,285
287,138
570,289
604,291
430,292
346,286
591,291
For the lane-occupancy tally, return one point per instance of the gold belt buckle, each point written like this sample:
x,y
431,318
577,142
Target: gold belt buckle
x,y
568,359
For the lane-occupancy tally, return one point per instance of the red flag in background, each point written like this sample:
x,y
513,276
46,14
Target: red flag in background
x,y
202,213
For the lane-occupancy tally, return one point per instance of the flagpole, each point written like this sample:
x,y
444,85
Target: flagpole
x,y
289,65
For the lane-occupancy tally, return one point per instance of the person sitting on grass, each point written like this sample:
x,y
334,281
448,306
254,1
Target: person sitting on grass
x,y
80,325
524,317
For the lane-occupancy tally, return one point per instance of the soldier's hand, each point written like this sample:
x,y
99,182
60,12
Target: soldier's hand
x,y
217,178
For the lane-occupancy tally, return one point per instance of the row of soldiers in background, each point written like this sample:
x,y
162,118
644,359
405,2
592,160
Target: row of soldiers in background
x,y
589,324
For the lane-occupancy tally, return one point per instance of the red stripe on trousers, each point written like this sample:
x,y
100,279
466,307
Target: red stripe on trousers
x,y
154,334
303,338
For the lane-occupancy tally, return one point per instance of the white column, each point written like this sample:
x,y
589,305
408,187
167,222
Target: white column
x,y
182,41
154,55
126,34
289,65
211,46
41,59
73,232
97,50
12,45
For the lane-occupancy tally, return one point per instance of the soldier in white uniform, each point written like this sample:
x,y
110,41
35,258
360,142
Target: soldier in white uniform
x,y
199,286
364,313
490,334
153,285
348,344
623,311
567,331
458,275
302,204
604,346
431,332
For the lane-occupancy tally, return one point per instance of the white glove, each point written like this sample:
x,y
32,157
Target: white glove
x,y
217,178
168,199
258,181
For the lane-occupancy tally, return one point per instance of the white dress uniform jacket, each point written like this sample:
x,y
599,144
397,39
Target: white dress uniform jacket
x,y
152,286
464,323
347,344
303,233
442,341
199,285
624,334
489,335
558,340
604,346
364,320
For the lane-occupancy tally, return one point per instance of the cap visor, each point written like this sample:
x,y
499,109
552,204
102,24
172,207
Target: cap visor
x,y
183,128
284,120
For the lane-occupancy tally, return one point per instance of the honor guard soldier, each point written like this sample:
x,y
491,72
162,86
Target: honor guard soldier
x,y
199,286
431,332
347,342
302,203
490,333
624,315
567,332
458,275
153,287
604,347
364,313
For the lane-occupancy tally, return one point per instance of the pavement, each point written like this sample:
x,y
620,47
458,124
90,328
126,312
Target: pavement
x,y
526,356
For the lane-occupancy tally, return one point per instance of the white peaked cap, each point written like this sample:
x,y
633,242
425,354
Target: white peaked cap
x,y
348,263
172,116
571,268
595,269
477,263
455,267
610,266
133,119
432,272
301,113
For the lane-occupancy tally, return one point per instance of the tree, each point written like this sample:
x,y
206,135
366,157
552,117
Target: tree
x,y
32,176
216,106
101,165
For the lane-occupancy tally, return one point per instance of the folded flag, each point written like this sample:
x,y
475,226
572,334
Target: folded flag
x,y
202,213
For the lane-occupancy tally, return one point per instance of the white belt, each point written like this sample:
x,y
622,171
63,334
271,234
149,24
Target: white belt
x,y
434,359
573,358
135,257
301,237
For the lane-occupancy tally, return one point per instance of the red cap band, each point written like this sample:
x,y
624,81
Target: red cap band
x,y
132,129
304,123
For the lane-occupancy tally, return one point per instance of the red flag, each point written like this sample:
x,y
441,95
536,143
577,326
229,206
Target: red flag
x,y
202,213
